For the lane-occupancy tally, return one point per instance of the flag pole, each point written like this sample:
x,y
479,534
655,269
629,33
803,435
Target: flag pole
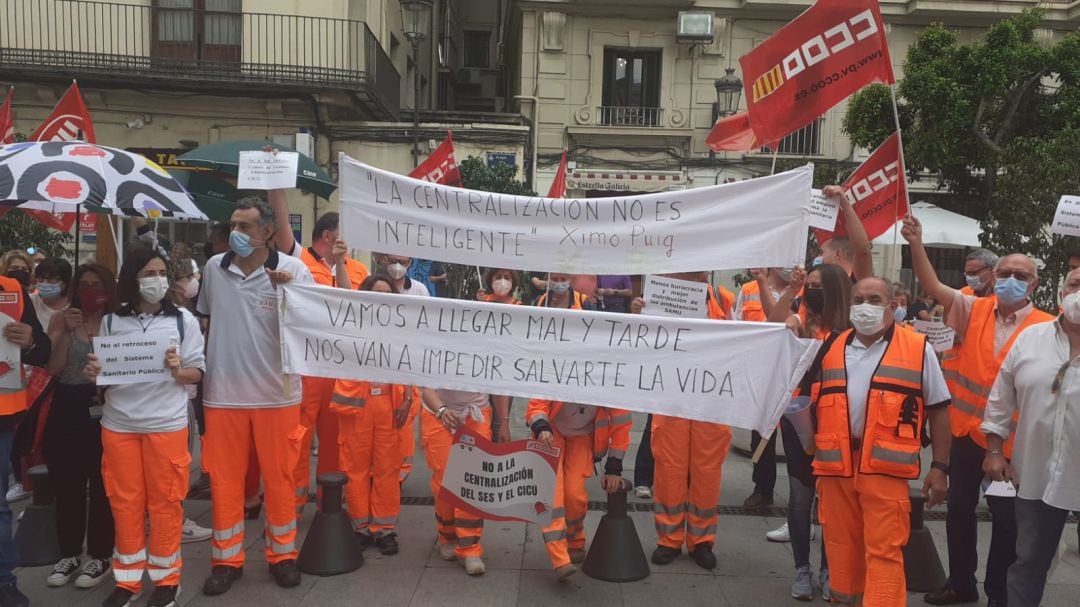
x,y
775,153
901,178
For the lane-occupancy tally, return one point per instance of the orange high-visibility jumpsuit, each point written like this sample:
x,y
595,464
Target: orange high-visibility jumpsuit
x,y
454,525
863,483
689,458
369,452
315,414
608,435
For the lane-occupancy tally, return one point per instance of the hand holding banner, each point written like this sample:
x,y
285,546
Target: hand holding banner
x,y
501,481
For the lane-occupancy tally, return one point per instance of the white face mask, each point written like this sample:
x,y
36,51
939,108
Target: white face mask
x,y
501,286
396,271
153,288
867,319
1070,307
191,289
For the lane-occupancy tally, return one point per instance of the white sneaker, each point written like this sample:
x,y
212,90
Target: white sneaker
x,y
16,492
446,552
474,565
193,532
643,492
779,535
93,573
62,573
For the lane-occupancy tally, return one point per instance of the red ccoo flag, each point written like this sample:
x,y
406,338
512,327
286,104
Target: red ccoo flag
x,y
833,49
7,124
733,134
873,189
68,120
558,187
440,167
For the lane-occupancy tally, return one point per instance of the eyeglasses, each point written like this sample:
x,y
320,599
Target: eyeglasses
x,y
1060,377
1021,276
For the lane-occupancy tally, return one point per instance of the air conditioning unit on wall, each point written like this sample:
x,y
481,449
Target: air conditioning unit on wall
x,y
468,75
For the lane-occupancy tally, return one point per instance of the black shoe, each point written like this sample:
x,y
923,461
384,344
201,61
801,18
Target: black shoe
x,y
203,484
120,597
995,603
285,573
387,544
164,596
11,597
664,555
758,500
252,512
365,539
221,579
703,556
948,596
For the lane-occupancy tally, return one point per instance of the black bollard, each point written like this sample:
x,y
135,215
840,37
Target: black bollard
x,y
616,554
331,546
922,565
35,535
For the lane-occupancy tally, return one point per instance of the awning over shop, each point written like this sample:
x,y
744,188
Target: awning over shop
x,y
625,181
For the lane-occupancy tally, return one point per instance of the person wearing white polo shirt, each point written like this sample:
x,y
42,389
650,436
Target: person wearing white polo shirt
x,y
248,399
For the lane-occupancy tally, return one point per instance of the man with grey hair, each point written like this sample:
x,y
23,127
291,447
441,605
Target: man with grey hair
x,y
979,272
249,401
989,326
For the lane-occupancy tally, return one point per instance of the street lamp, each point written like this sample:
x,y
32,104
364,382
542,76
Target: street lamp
x,y
729,90
415,23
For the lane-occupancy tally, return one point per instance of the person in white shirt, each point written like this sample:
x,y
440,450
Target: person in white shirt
x,y
397,266
144,432
248,399
52,276
1041,378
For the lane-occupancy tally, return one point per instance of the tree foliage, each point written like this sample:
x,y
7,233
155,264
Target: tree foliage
x,y
996,122
19,231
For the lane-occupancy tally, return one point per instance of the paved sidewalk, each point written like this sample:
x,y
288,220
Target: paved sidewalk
x,y
751,571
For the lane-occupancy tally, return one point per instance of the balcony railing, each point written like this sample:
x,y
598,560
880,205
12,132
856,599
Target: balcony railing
x,y
629,116
806,141
172,44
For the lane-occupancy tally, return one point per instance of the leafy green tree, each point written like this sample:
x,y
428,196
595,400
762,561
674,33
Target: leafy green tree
x,y
17,230
995,121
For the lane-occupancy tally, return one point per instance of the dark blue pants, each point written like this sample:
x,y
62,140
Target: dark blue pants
x,y
765,469
9,556
643,463
1041,526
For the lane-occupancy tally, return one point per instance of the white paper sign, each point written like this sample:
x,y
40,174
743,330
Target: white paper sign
x,y
672,366
1001,489
1067,217
753,223
501,481
10,358
822,212
940,336
267,170
674,298
132,359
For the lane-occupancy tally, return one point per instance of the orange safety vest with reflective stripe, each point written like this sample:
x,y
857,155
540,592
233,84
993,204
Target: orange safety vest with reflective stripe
x,y
727,300
611,429
12,303
491,297
324,276
892,436
352,397
579,301
715,311
751,302
971,369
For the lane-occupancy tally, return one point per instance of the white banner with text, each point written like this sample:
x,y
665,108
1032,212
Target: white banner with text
x,y
734,373
754,223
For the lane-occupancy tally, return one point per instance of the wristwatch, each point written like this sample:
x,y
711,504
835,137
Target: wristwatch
x,y
439,413
940,466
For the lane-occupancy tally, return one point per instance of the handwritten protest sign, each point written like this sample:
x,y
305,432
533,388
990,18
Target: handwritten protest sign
x,y
267,170
822,212
501,482
645,363
674,298
1067,217
752,223
132,359
10,356
939,335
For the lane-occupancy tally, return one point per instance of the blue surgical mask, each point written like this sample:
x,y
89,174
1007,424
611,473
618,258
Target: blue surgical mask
x,y
1010,291
816,262
900,314
240,243
559,287
48,290
973,281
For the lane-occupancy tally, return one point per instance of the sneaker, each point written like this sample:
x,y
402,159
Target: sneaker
x,y
474,565
365,539
63,572
251,513
781,534
221,579
565,572
164,596
16,492
387,544
643,492
446,552
11,597
193,532
948,596
664,555
93,573
757,500
577,556
285,573
703,556
120,597
823,581
802,588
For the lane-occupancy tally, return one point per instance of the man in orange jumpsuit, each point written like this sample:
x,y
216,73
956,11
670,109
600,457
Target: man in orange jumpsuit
x,y
583,434
877,385
689,458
